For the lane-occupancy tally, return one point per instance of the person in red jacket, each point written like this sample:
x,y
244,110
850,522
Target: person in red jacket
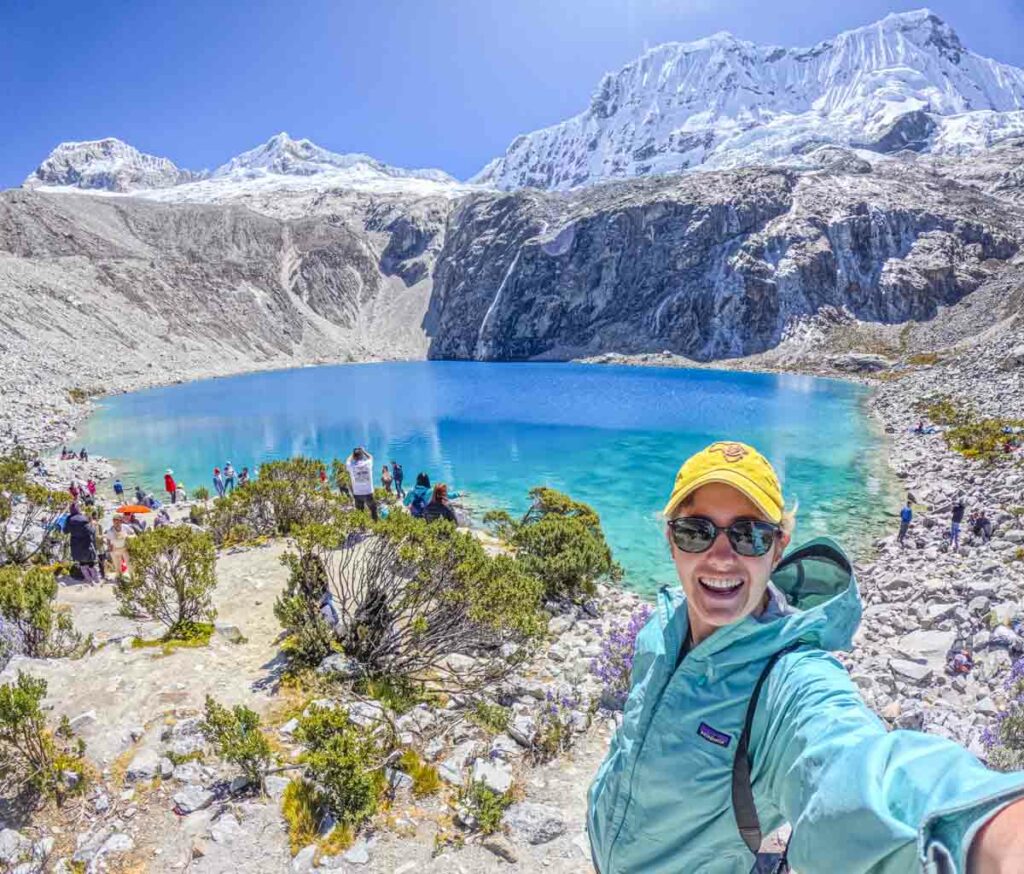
x,y
170,485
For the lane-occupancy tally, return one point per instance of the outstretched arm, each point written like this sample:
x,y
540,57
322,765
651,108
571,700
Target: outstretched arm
x,y
863,799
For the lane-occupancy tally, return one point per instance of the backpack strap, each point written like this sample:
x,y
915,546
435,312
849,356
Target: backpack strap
x,y
742,794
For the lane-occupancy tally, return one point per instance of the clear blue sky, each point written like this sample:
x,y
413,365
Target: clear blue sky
x,y
416,83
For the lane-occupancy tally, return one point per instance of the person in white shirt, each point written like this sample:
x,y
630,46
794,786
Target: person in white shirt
x,y
360,468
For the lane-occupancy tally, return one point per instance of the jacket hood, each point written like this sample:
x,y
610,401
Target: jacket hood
x,y
818,583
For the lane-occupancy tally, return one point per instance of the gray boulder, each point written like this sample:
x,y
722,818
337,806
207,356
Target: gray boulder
x,y
534,823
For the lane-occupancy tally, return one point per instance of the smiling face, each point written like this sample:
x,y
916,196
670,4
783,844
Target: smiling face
x,y
721,586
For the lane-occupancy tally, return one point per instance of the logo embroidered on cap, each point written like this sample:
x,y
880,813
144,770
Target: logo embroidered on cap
x,y
719,738
731,452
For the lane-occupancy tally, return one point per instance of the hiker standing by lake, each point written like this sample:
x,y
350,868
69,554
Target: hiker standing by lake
x,y
906,514
117,544
82,536
386,479
218,482
170,486
360,469
119,490
419,497
398,475
739,719
229,478
957,520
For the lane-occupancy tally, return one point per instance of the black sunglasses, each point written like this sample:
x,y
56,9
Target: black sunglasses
x,y
748,537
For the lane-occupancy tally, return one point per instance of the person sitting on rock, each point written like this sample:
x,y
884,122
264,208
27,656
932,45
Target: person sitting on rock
x,y
981,526
739,719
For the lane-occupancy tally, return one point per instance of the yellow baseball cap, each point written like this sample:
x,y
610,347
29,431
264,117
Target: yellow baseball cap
x,y
736,465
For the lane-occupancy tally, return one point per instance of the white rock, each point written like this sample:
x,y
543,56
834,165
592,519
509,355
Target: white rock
x,y
534,823
495,774
192,798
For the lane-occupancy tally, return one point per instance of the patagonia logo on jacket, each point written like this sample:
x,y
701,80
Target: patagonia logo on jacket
x,y
720,738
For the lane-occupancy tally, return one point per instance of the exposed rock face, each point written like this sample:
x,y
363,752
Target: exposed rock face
x,y
709,266
109,293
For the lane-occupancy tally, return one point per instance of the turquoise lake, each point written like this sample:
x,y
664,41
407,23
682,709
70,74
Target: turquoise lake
x,y
610,436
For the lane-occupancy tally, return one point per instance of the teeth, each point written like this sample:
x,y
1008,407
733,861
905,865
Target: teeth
x,y
726,583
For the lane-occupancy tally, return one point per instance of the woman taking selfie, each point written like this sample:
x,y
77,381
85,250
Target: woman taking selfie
x,y
739,720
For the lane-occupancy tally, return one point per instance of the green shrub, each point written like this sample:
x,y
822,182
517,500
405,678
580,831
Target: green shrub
x,y
27,604
425,778
982,439
924,359
26,509
414,593
399,694
345,762
310,638
284,495
237,738
560,542
943,410
303,809
201,493
52,763
490,717
486,806
197,515
171,578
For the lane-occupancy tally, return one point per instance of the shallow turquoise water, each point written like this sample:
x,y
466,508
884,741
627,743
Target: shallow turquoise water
x,y
610,436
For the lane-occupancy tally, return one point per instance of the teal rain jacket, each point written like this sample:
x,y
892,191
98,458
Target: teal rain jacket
x,y
859,798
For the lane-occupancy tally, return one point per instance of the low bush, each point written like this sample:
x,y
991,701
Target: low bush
x,y
28,514
490,717
44,629
171,578
558,724
425,778
924,359
613,666
486,806
303,810
943,410
1004,739
982,439
310,637
345,762
237,738
285,494
560,542
409,594
52,763
201,493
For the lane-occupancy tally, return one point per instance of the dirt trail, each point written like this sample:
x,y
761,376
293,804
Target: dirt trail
x,y
120,689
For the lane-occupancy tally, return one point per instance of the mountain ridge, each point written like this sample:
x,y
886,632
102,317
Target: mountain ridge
x,y
721,102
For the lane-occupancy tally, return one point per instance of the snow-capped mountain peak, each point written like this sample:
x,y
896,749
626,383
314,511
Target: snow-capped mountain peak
x,y
721,101
285,156
108,164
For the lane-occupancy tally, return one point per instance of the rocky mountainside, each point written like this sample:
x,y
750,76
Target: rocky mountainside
x,y
717,265
281,164
103,293
905,82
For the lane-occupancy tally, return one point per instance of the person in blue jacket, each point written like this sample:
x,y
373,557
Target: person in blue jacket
x,y
906,515
739,719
